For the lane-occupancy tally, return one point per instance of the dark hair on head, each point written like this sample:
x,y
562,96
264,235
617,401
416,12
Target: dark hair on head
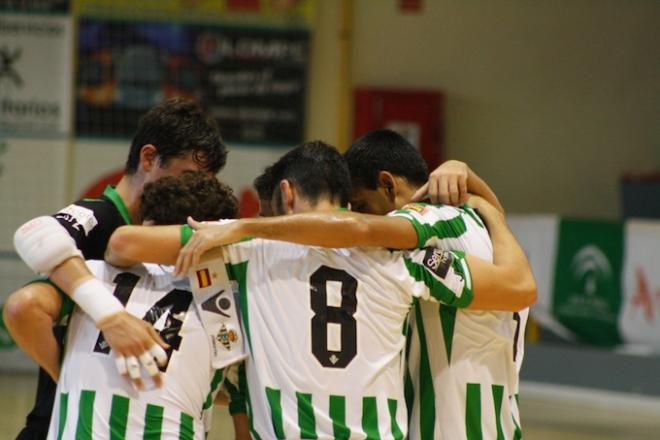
x,y
316,169
264,184
384,150
176,128
171,199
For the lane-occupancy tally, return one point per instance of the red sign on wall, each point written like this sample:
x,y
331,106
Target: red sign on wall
x,y
417,115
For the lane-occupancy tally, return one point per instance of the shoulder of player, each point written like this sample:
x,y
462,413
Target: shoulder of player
x,y
89,213
428,209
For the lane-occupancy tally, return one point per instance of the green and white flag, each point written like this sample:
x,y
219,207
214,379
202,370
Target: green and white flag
x,y
587,284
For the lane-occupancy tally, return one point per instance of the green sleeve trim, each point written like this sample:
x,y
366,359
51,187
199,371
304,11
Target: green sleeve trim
x,y
419,229
186,233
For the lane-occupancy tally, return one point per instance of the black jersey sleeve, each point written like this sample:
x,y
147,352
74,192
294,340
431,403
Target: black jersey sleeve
x,y
90,222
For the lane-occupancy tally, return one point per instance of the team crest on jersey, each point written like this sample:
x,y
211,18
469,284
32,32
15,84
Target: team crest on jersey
x,y
421,209
438,261
78,217
227,336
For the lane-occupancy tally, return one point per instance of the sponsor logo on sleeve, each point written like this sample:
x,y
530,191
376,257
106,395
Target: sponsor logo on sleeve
x,y
438,261
79,217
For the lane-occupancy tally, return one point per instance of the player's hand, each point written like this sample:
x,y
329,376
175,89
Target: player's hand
x,y
447,184
135,343
489,213
206,236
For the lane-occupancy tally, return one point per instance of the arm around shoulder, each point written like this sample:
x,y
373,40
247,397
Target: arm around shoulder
x,y
508,283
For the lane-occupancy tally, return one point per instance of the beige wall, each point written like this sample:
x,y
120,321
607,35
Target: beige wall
x,y
549,100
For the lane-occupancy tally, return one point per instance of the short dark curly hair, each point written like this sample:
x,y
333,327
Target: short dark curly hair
x,y
170,200
178,127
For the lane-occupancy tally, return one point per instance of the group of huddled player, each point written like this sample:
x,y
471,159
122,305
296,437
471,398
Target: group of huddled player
x,y
399,319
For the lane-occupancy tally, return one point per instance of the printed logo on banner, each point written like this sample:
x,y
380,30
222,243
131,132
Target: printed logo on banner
x,y
640,319
645,301
587,293
8,73
31,44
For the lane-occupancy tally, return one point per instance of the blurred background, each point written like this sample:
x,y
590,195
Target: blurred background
x,y
556,104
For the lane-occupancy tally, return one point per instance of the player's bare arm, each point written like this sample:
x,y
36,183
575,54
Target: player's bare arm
x,y
452,182
132,244
507,285
510,266
29,315
129,337
48,249
340,229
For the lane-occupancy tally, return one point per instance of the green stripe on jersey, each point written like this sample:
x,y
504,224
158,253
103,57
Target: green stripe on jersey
x,y
64,406
243,386
498,394
473,412
274,401
370,418
238,273
236,397
215,382
396,431
338,416
306,419
153,422
452,228
426,391
118,417
85,415
517,434
448,323
186,427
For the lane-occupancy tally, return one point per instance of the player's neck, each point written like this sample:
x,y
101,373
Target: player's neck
x,y
325,205
304,205
129,189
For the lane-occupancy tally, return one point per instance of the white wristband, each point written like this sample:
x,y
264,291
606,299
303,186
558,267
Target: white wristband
x,y
96,300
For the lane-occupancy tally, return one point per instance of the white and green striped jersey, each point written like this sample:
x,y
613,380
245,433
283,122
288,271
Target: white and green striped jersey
x,y
325,330
94,402
463,365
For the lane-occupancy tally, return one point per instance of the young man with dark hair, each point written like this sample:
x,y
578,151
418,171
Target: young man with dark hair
x,y
93,401
172,137
324,326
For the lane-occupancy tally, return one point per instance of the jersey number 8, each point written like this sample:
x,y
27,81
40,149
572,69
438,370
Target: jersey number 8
x,y
325,314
